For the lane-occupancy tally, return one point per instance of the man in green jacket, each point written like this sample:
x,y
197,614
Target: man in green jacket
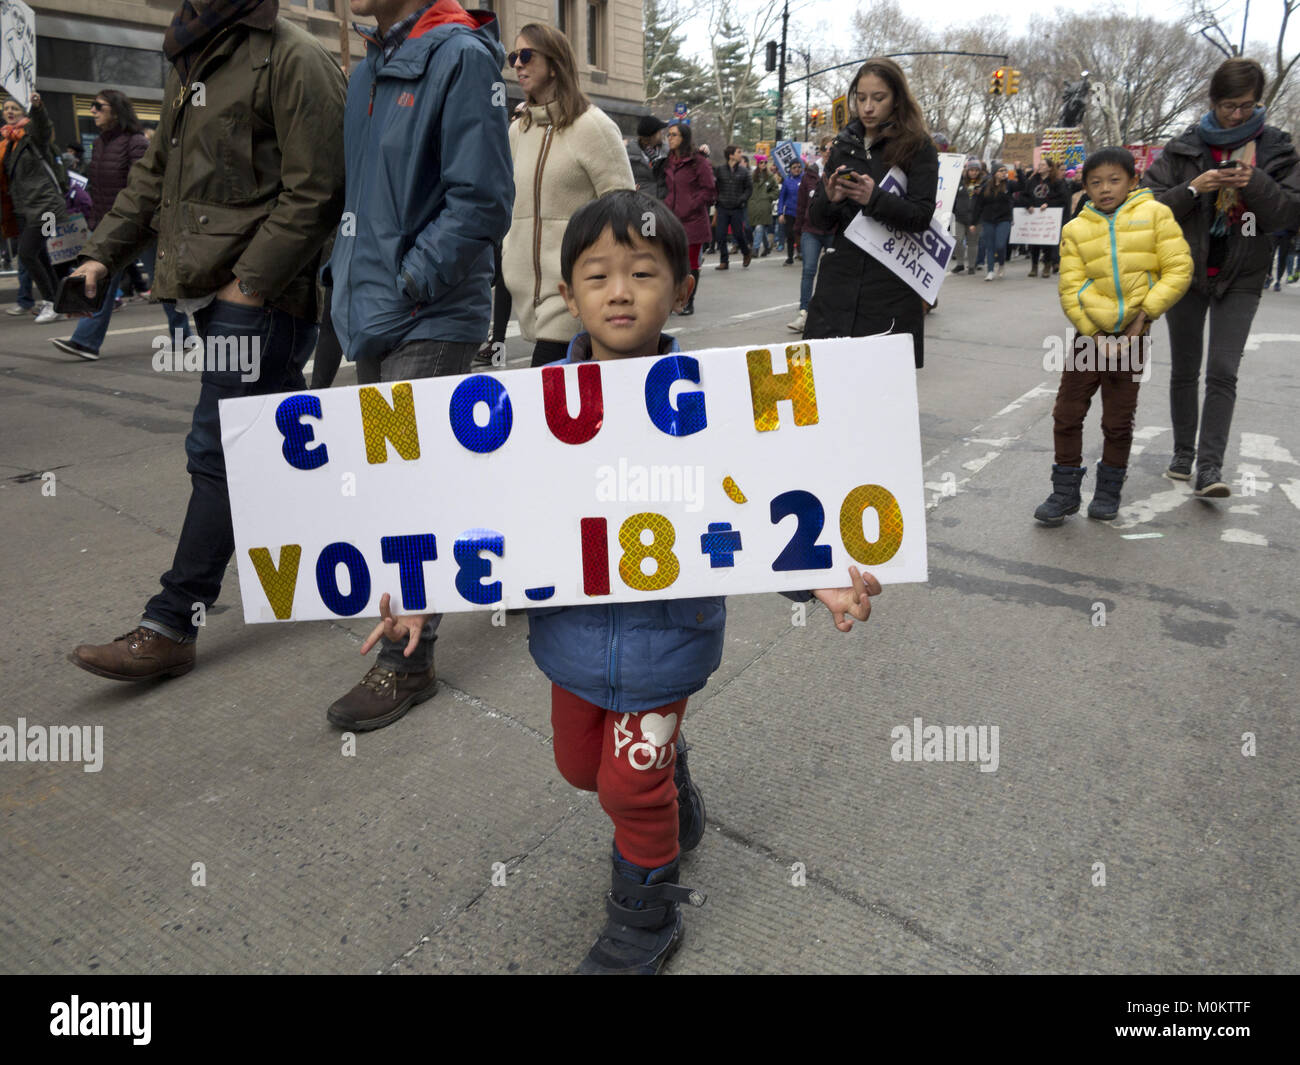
x,y
242,184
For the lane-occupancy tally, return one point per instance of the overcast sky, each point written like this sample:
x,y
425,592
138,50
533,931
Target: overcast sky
x,y
1265,17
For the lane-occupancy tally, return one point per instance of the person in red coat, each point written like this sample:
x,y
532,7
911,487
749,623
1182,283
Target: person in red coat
x,y
691,188
120,145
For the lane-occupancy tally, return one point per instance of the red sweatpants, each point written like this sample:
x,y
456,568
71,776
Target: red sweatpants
x,y
627,760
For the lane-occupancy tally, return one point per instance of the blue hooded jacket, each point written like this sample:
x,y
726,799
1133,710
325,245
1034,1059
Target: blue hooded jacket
x,y
430,186
629,657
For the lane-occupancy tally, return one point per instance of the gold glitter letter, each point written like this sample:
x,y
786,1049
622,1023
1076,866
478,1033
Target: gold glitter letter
x,y
278,582
382,423
796,385
891,524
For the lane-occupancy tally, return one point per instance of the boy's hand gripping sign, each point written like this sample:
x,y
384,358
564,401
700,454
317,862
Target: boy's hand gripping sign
x,y
753,469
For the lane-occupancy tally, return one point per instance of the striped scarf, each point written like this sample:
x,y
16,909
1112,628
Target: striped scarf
x,y
197,21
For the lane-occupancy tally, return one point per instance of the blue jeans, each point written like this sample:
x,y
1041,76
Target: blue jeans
x,y
763,237
284,343
732,218
25,300
90,332
810,247
993,241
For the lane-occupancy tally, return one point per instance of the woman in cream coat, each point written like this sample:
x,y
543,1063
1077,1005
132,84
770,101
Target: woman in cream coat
x,y
566,153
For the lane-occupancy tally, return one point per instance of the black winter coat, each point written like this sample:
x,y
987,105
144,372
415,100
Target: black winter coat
x,y
856,294
1273,195
116,151
734,186
995,208
1038,191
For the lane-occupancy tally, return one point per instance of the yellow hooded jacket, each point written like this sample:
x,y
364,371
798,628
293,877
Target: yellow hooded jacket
x,y
1112,266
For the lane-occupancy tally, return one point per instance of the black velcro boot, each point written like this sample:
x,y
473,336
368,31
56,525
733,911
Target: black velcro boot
x,y
1065,497
644,928
1105,501
690,803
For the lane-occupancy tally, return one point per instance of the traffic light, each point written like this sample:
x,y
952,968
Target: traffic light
x,y
815,117
1013,82
771,56
997,84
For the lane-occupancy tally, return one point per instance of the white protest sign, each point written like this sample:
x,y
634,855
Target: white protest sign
x,y
1041,226
730,471
950,167
920,259
68,239
18,51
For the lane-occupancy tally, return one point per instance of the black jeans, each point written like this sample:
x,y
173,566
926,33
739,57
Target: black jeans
x,y
32,253
732,218
549,351
207,540
1230,319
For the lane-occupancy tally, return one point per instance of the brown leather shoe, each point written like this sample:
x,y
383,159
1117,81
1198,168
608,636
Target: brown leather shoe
x,y
748,258
721,266
381,698
141,654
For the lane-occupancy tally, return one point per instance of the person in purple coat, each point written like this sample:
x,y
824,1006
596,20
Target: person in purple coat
x,y
691,188
120,145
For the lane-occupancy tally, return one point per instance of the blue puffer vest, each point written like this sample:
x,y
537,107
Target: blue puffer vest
x,y
629,657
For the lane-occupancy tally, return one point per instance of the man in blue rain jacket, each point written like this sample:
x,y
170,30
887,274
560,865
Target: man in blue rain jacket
x,y
429,193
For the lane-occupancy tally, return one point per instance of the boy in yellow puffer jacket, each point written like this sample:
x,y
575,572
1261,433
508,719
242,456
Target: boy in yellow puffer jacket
x,y
1124,263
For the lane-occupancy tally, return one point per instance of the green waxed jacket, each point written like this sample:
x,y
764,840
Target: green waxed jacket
x,y
244,177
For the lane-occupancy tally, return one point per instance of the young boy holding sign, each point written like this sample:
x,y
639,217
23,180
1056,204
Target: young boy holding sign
x,y
1124,262
621,673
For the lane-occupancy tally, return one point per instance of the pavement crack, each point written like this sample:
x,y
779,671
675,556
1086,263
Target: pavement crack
x,y
910,925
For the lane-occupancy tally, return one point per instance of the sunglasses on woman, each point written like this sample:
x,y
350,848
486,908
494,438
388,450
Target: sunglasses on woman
x,y
97,105
524,55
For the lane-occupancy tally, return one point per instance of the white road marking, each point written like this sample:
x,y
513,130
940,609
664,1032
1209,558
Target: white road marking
x,y
1292,491
1141,511
1258,473
1143,436
1142,536
1256,339
766,310
1033,393
975,465
1241,536
1259,446
1245,508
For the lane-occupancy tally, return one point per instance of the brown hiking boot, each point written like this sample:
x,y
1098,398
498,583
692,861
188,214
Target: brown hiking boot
x,y
141,654
381,698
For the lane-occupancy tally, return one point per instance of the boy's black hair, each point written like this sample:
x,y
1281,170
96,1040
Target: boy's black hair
x,y
626,214
1120,157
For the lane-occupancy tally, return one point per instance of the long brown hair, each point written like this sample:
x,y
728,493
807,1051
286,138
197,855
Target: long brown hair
x,y
907,132
570,102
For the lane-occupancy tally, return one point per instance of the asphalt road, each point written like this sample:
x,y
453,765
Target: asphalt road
x,y
1120,751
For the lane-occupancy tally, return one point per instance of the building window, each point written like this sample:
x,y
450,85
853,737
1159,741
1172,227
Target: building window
x,y
564,17
495,7
596,34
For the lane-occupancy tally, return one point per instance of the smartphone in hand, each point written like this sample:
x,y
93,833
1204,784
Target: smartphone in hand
x,y
1230,164
72,299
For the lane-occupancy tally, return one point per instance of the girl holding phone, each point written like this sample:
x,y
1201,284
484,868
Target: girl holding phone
x,y
856,294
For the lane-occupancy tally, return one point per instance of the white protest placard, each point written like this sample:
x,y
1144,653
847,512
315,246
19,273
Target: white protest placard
x,y
722,472
1040,226
18,51
950,167
68,239
920,259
